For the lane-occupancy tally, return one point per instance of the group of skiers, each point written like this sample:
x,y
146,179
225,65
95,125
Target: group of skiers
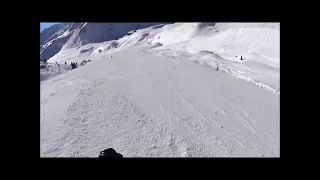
x,y
44,65
73,65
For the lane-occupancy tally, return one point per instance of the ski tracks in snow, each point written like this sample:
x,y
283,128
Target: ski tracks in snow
x,y
205,132
149,107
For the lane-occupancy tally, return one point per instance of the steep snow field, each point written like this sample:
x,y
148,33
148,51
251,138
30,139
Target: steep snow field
x,y
177,90
49,32
224,44
74,35
249,51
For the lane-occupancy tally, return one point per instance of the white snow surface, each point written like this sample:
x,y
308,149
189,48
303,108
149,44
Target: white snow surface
x,y
74,35
178,90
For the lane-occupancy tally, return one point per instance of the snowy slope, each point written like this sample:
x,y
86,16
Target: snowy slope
x,y
224,44
178,90
139,37
54,44
49,32
79,34
220,45
144,105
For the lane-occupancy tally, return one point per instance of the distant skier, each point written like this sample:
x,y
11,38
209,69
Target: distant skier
x,y
65,63
241,58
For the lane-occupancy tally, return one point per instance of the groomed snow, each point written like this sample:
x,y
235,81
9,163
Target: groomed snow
x,y
178,90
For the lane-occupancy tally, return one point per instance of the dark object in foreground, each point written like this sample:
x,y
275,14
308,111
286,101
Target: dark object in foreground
x,y
110,153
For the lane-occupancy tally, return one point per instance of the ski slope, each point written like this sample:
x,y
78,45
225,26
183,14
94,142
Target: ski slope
x,y
167,91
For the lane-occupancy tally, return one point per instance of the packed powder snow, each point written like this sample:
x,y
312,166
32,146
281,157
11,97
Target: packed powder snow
x,y
166,90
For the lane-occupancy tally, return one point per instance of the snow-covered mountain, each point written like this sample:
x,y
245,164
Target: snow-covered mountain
x,y
65,36
182,89
232,47
47,33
